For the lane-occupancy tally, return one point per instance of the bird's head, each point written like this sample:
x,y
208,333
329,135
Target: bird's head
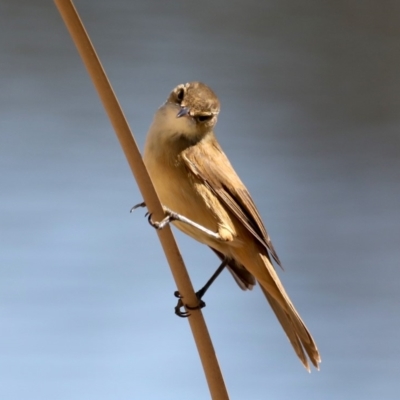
x,y
196,104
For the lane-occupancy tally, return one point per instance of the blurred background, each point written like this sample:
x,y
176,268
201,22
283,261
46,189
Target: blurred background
x,y
310,96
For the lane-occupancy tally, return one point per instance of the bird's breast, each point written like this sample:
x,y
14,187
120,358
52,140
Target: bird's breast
x,y
182,192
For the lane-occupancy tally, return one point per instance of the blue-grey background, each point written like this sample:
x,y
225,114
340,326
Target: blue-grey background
x,y
310,119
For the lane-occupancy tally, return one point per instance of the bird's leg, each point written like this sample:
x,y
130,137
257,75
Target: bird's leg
x,y
173,216
199,294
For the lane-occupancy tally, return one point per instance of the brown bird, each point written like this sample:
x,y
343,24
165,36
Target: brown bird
x,y
194,178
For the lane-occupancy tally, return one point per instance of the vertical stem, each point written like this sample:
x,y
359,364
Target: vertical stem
x,y
199,329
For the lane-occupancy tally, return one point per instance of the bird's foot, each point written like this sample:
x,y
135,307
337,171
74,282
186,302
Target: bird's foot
x,y
170,216
179,306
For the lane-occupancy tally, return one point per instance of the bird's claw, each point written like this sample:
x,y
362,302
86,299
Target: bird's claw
x,y
154,224
143,204
164,222
179,312
180,305
170,216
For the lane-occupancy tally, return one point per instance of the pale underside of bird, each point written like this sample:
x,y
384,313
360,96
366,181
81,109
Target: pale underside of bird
x,y
194,178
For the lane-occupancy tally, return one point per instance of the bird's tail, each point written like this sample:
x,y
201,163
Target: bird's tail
x,y
295,329
297,332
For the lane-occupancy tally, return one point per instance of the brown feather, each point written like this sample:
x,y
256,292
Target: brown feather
x,y
228,187
242,277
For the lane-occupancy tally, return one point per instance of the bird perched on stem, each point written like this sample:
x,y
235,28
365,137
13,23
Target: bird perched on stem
x,y
205,199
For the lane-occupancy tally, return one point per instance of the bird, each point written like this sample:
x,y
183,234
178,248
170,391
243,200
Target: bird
x,y
204,197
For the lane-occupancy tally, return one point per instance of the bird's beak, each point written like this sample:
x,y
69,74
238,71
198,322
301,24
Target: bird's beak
x,y
182,112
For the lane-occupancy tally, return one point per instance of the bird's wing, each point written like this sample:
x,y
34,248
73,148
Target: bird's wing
x,y
210,165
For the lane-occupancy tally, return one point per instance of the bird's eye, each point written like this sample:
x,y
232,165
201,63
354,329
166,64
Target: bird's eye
x,y
204,118
179,95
